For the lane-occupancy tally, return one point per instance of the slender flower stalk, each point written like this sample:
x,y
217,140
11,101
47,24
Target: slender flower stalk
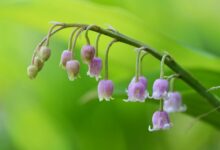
x,y
97,44
138,64
49,33
71,38
106,56
76,37
162,65
86,33
141,66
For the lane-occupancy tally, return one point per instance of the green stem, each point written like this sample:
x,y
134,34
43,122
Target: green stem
x,y
170,62
171,84
161,105
97,44
162,66
71,38
142,57
49,32
138,63
76,37
86,33
106,57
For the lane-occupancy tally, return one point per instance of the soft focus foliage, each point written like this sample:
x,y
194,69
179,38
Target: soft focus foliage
x,y
52,113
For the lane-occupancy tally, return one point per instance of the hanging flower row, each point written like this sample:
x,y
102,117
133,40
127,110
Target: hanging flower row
x,y
170,100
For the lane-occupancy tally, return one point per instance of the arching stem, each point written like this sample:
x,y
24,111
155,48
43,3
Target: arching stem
x,y
106,57
97,44
76,37
138,63
162,66
141,68
86,33
71,38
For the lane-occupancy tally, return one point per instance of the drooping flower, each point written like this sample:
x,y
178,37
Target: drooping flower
x,y
38,63
95,68
160,89
87,53
72,68
160,121
32,71
137,90
44,53
173,103
105,90
66,56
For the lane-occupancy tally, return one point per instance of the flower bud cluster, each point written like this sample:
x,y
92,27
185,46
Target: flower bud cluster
x,y
42,54
72,65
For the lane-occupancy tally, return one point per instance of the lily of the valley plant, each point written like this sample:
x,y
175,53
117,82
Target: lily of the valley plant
x,y
137,90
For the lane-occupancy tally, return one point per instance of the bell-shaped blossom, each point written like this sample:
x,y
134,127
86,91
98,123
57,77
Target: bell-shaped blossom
x,y
95,68
173,103
32,71
160,89
66,56
160,121
87,53
72,68
137,90
44,53
105,90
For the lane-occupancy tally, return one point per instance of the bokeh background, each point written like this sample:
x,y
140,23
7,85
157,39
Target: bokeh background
x,y
52,113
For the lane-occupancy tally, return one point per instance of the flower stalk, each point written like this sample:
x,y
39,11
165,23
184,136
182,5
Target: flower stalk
x,y
106,57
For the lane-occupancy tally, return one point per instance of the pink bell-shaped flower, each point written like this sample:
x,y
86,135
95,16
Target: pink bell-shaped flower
x,y
160,89
137,90
160,121
173,103
95,68
105,90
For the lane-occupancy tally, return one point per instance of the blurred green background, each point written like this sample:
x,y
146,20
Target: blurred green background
x,y
52,113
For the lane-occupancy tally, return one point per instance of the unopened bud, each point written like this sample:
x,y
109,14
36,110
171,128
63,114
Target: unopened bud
x,y
72,68
87,53
44,53
38,63
66,56
32,71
